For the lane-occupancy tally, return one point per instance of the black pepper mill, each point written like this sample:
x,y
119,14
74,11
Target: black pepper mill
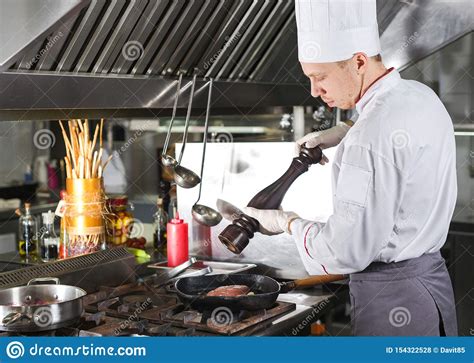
x,y
236,236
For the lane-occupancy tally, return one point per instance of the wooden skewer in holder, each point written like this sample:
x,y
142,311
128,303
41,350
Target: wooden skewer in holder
x,y
84,215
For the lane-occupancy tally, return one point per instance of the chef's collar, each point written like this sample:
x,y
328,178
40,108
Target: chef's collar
x,y
387,80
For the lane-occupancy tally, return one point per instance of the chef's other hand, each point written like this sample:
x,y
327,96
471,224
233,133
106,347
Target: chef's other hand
x,y
324,139
272,221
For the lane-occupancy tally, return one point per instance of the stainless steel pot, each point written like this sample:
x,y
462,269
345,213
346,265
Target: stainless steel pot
x,y
33,308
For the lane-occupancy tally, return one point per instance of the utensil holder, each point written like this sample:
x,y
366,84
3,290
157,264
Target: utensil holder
x,y
84,216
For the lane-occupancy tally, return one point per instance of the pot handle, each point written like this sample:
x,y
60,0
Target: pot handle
x,y
11,318
43,279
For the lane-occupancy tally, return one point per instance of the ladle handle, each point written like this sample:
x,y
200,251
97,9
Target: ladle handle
x,y
175,106
204,141
188,117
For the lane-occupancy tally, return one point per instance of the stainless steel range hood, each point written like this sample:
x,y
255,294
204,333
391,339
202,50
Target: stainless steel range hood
x,y
414,29
23,21
224,39
122,57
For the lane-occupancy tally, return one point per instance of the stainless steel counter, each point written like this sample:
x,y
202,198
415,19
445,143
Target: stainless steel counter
x,y
311,305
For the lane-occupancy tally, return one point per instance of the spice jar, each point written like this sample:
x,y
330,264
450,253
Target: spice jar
x,y
119,221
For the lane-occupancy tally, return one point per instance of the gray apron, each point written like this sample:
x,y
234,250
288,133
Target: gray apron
x,y
407,298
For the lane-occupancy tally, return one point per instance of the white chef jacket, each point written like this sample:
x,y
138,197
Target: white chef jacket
x,y
394,183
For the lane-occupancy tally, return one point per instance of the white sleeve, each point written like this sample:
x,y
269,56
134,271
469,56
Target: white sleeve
x,y
367,197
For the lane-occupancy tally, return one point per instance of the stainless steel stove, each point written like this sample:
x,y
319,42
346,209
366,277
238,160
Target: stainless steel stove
x,y
134,309
161,309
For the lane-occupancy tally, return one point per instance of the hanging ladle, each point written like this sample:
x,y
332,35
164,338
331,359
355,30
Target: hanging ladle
x,y
184,177
201,213
166,159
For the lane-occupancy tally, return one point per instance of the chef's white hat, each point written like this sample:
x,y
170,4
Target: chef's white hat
x,y
334,30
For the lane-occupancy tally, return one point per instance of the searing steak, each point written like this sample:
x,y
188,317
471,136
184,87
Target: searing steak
x,y
230,290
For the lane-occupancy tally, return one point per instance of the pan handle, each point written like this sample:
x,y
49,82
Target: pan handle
x,y
12,318
311,281
43,279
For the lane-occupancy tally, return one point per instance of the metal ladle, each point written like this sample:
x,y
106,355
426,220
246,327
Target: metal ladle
x,y
166,159
203,214
184,177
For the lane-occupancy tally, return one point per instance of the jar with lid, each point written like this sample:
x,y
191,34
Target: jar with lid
x,y
119,221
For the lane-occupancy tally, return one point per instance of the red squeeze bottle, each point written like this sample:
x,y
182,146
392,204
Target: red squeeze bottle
x,y
177,241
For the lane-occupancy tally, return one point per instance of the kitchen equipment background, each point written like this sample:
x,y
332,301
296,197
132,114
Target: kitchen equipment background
x,y
235,172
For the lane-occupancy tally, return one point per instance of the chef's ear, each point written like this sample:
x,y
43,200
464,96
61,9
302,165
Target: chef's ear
x,y
360,61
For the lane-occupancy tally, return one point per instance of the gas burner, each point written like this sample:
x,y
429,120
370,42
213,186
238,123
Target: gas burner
x,y
224,321
97,318
135,299
129,301
106,304
134,303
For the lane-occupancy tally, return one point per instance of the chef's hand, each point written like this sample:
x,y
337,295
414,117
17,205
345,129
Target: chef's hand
x,y
272,221
324,139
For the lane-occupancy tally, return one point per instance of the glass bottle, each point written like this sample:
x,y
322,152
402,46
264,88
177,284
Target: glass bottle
x,y
27,235
160,219
49,239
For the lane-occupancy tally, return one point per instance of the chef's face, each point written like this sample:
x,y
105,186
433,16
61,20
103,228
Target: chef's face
x,y
338,83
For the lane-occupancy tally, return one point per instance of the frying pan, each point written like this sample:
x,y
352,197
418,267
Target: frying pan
x,y
34,308
192,290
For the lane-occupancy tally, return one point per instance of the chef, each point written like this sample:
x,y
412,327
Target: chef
x,y
394,178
